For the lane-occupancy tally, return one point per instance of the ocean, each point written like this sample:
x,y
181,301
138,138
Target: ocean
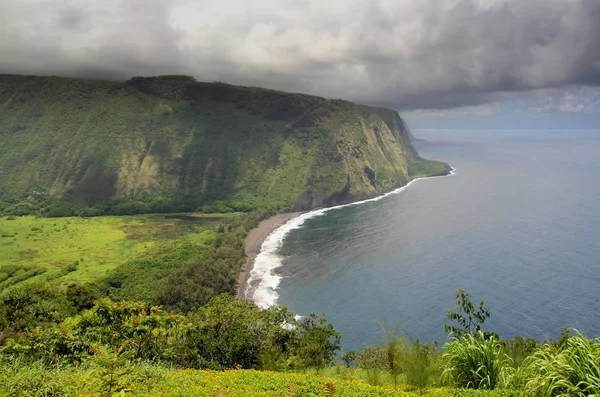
x,y
517,225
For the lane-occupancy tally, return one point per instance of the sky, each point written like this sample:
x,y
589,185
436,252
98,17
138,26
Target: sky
x,y
441,63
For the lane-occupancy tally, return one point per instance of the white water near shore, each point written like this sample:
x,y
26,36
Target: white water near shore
x,y
267,261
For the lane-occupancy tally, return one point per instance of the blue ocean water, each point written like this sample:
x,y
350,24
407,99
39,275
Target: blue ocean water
x,y
517,225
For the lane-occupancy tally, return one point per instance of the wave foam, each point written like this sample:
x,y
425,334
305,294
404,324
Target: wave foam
x,y
265,294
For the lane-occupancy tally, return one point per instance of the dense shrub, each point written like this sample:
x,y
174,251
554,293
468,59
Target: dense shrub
x,y
422,365
26,307
570,368
474,361
225,333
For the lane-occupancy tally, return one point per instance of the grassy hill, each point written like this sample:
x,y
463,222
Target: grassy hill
x,y
169,143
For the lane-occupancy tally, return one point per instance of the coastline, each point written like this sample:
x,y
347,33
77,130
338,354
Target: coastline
x,y
258,235
253,243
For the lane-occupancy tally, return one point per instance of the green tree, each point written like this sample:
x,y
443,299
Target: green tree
x,y
25,307
81,297
318,342
469,317
228,333
348,358
373,360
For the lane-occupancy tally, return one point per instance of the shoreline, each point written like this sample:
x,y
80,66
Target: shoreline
x,y
253,244
258,235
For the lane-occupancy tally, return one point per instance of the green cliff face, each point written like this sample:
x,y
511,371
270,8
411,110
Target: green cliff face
x,y
171,143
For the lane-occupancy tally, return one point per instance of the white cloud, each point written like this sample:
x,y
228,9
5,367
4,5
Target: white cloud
x,y
569,100
460,112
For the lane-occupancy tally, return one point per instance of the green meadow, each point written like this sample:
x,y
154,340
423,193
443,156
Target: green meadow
x,y
76,249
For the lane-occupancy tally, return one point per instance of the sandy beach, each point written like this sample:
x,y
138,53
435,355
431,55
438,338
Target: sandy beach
x,y
254,241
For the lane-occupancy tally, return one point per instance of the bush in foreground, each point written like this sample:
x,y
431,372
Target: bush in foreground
x,y
99,377
570,368
474,361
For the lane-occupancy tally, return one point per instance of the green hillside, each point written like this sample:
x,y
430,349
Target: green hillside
x,y
169,143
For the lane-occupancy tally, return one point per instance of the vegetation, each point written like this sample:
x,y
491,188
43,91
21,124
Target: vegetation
x,y
469,317
474,361
94,379
38,326
67,342
76,250
570,367
93,304
171,144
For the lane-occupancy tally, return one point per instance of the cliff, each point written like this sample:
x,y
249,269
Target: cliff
x,y
170,143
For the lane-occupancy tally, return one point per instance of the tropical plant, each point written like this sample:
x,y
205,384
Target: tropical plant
x,y
568,369
518,349
474,361
469,317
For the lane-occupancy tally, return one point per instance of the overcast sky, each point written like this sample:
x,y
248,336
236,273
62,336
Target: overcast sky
x,y
429,58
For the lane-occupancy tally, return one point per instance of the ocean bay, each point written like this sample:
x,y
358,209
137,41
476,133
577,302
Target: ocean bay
x,y
516,225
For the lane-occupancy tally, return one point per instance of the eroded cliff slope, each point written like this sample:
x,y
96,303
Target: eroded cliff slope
x,y
170,143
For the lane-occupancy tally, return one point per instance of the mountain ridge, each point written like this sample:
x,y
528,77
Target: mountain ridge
x,y
170,143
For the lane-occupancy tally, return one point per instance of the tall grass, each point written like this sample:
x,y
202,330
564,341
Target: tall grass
x,y
473,361
421,364
568,369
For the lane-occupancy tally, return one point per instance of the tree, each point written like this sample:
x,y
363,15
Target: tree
x,y
348,358
81,297
469,317
318,341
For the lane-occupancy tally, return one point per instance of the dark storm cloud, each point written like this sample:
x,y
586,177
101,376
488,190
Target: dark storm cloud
x,y
404,54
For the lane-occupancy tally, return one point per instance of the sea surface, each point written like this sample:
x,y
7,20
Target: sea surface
x,y
518,225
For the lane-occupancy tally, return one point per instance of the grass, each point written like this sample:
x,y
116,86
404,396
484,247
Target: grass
x,y
419,168
474,361
153,380
570,369
77,249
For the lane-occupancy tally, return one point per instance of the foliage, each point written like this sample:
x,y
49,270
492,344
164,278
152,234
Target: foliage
x,y
192,285
518,349
318,341
394,351
225,333
474,361
138,251
422,365
570,368
51,345
62,344
417,362
138,331
349,358
469,317
373,360
155,380
26,307
87,147
14,274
